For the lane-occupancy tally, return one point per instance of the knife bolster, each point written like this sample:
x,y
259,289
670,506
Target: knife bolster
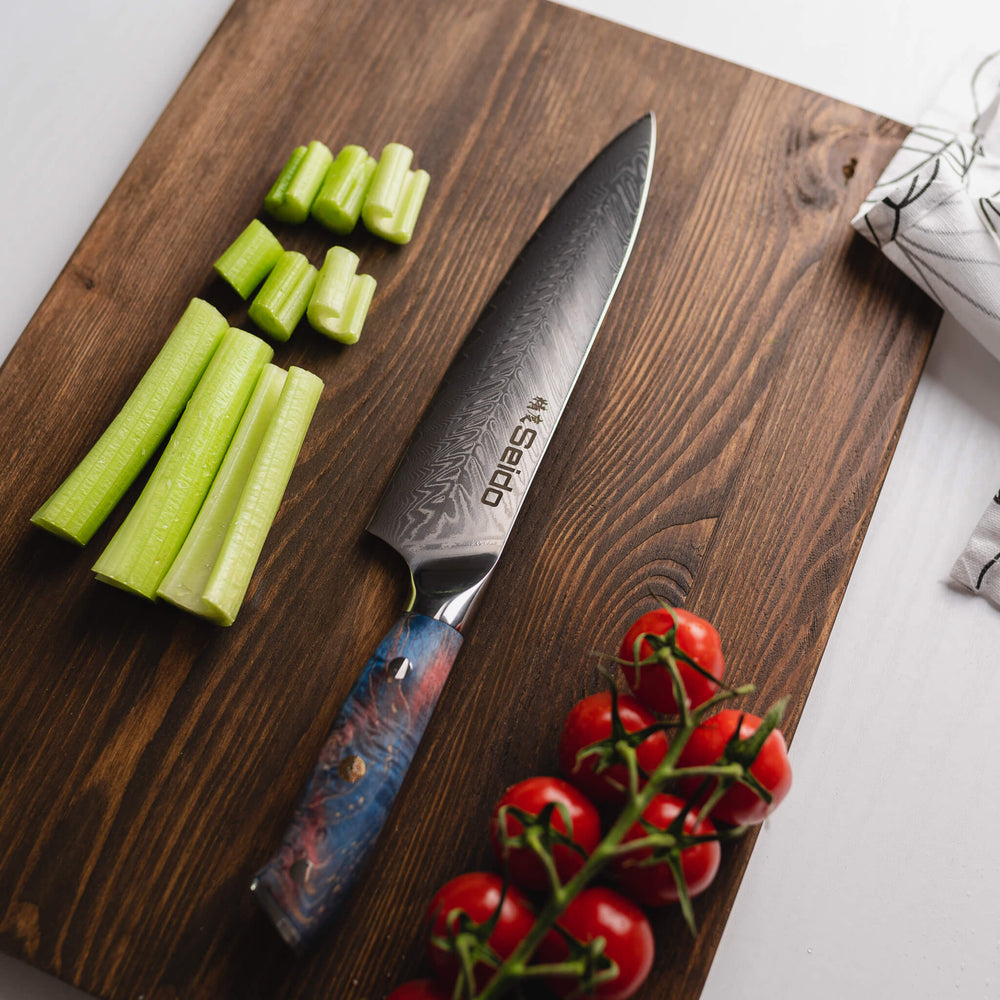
x,y
448,589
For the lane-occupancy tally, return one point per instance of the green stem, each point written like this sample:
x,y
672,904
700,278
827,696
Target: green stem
x,y
516,965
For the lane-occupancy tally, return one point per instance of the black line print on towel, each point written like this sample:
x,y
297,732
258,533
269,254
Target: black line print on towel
x,y
938,202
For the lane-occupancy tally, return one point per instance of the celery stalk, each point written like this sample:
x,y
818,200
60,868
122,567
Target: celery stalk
x,y
338,203
262,495
249,259
341,297
359,298
395,196
292,195
142,550
284,296
80,505
185,580
275,198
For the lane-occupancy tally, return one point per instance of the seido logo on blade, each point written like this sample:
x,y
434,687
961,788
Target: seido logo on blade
x,y
509,467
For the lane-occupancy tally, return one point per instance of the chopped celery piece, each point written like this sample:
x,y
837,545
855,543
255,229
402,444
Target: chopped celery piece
x,y
395,195
359,298
332,284
338,204
250,258
262,495
341,297
293,193
185,580
275,198
142,550
282,301
80,505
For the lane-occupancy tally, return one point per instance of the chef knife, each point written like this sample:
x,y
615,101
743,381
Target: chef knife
x,y
448,511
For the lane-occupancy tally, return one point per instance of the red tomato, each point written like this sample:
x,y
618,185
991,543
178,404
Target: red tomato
x,y
477,894
532,796
599,912
420,989
655,885
653,683
740,805
588,722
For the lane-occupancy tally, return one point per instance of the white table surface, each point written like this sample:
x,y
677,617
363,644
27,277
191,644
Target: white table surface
x,y
879,876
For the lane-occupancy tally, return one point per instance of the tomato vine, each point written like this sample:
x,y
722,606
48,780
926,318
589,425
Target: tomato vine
x,y
668,812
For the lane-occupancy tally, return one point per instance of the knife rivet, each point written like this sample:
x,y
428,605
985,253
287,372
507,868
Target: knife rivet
x,y
400,667
351,768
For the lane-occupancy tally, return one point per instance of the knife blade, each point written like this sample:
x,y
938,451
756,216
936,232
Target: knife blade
x,y
448,510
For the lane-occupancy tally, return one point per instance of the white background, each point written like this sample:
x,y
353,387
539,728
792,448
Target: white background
x,y
879,876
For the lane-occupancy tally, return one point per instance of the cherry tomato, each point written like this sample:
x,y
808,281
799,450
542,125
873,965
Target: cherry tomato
x,y
655,885
653,683
420,989
477,894
588,722
532,796
600,912
740,805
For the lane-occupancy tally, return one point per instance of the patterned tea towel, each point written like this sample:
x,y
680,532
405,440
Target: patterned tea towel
x,y
935,213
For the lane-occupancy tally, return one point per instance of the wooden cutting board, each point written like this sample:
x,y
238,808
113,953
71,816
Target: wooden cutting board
x,y
724,447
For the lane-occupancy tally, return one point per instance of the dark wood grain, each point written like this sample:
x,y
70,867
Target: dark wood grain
x,y
725,445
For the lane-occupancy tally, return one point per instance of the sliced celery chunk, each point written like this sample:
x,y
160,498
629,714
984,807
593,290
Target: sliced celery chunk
x,y
341,298
80,505
338,204
275,198
262,495
395,196
282,300
186,579
293,193
359,298
249,259
148,540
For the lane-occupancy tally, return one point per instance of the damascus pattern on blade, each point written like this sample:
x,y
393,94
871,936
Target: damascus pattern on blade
x,y
464,476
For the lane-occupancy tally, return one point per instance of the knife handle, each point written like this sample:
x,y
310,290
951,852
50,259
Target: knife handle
x,y
355,781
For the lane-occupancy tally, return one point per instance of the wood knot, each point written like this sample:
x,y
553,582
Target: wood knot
x,y
85,276
351,768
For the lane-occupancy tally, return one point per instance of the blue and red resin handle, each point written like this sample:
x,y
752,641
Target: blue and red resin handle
x,y
352,788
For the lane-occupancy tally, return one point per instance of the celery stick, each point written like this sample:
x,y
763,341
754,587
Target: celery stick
x,y
395,196
249,259
282,301
326,304
262,495
341,297
80,505
142,550
338,204
295,190
359,298
185,580
274,200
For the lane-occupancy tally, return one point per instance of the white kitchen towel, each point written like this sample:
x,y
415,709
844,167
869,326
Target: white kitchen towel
x,y
978,567
935,212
